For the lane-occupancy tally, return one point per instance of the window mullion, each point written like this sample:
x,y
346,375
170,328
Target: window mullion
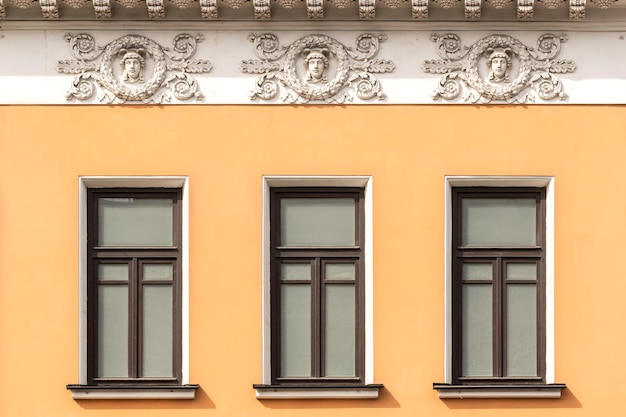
x,y
359,293
457,308
134,326
541,316
317,320
499,331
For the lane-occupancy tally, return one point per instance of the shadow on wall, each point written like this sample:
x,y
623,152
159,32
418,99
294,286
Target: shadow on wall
x,y
202,401
384,400
567,400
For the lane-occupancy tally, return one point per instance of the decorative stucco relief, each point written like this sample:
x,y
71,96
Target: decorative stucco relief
x,y
133,68
317,67
419,9
499,68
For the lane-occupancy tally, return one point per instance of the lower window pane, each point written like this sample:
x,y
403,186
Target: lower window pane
x,y
521,321
112,331
477,330
158,329
340,330
295,330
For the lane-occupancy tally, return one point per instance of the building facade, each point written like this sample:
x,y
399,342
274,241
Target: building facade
x,y
330,209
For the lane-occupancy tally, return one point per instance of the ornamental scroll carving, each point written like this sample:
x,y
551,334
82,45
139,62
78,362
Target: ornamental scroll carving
x,y
317,68
499,68
133,68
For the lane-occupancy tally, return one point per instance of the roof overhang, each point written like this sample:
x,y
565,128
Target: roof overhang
x,y
338,11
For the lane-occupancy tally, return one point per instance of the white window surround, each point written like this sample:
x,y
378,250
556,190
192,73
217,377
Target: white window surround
x,y
546,182
369,390
85,183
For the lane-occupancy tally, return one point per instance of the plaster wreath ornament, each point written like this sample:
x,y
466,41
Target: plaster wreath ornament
x,y
499,68
133,68
317,68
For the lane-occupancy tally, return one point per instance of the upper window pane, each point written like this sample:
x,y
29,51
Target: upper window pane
x,y
295,271
499,222
317,222
158,272
130,221
527,271
477,271
337,271
113,272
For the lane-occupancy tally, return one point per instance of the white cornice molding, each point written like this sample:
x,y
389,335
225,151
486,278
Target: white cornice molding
x,y
613,25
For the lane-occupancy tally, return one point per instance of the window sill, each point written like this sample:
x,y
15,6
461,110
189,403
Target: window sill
x,y
133,392
328,391
500,391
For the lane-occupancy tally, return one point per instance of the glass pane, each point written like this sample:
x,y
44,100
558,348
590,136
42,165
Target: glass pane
x,y
499,222
317,221
135,221
158,272
158,330
477,330
521,271
113,272
340,271
483,271
521,321
293,271
340,330
295,330
113,331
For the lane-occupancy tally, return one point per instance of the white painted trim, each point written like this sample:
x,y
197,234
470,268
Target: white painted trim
x,y
31,77
364,182
499,181
120,394
610,24
495,393
86,182
288,394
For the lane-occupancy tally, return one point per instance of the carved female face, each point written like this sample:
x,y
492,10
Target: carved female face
x,y
132,68
315,62
499,61
316,68
498,67
132,64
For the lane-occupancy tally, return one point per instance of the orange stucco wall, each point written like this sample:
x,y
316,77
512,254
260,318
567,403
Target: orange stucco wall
x,y
225,150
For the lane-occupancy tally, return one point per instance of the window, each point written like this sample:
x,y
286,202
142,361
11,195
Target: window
x,y
499,318
134,286
498,270
133,289
318,277
317,313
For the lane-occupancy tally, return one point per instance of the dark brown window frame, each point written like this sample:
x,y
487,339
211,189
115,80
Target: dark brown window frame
x,y
135,256
498,256
317,255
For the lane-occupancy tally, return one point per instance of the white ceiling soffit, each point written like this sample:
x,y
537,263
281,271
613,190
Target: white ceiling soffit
x,y
13,11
